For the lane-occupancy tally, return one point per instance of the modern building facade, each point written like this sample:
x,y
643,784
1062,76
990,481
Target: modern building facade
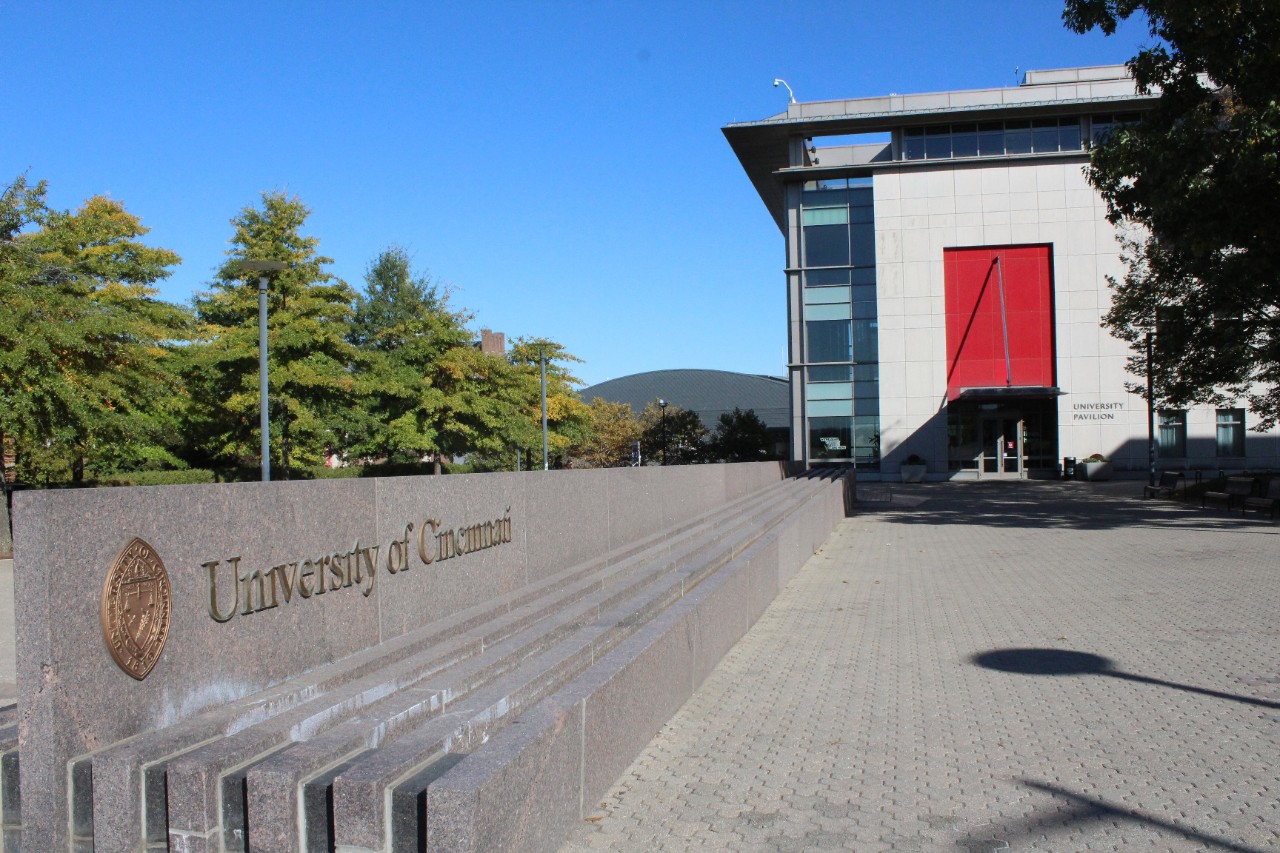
x,y
946,267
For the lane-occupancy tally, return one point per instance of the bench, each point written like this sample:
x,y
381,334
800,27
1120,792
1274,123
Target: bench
x,y
1171,482
1236,489
1270,501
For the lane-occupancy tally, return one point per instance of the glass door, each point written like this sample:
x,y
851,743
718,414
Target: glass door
x,y
1001,445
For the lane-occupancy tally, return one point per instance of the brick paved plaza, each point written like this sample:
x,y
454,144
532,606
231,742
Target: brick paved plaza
x,y
1144,715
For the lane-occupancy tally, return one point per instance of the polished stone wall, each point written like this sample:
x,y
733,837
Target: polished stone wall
x,y
246,608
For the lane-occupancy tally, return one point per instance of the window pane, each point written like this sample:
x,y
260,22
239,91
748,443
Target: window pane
x,y
1173,434
830,391
824,198
964,140
1044,134
829,340
830,373
1069,134
866,373
937,143
865,344
861,214
990,138
866,439
865,310
865,276
825,216
822,278
1231,432
830,408
826,246
825,295
1017,137
913,143
830,438
827,312
864,245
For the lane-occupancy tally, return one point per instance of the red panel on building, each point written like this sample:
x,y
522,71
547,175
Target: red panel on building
x,y
975,327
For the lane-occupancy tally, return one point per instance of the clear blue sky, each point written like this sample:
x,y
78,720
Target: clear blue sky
x,y
560,165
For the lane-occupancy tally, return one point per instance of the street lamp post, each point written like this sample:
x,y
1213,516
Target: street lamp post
x,y
542,361
1151,415
662,404
264,422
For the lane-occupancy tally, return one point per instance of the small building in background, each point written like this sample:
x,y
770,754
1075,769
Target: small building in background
x,y
492,343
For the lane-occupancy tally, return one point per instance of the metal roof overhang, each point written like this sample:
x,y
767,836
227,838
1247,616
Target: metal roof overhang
x,y
1005,393
762,147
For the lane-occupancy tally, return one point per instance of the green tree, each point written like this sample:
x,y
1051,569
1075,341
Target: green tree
x,y
568,418
1199,177
614,432
85,346
312,368
407,331
677,437
740,437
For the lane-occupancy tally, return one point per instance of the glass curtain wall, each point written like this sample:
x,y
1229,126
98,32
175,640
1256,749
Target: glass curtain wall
x,y
842,370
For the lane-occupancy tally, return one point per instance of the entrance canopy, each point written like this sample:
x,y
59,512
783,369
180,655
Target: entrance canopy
x,y
1006,393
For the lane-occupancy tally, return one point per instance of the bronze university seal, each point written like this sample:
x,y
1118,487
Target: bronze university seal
x,y
135,608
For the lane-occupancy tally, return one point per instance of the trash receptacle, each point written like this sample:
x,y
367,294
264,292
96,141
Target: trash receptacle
x,y
1068,467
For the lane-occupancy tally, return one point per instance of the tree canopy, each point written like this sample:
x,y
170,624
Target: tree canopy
x,y
100,380
740,437
614,432
408,332
676,437
312,381
85,358
1198,179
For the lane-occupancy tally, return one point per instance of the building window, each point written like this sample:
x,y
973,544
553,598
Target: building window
x,y
1102,126
829,340
837,220
1173,434
992,139
1231,432
830,438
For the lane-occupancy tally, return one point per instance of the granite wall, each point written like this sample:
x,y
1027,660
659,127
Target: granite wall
x,y
269,580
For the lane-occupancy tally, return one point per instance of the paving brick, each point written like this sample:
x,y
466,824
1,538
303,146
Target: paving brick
x,y
854,715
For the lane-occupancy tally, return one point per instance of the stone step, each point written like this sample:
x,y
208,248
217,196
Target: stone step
x,y
193,758
530,783
272,782
359,814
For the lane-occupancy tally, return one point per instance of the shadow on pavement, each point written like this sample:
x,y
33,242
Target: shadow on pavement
x,y
1087,809
1065,662
1043,504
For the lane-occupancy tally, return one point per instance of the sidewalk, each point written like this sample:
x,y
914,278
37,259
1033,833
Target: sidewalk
x,y
987,666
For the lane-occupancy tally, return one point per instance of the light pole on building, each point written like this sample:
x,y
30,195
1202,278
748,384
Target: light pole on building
x,y
263,267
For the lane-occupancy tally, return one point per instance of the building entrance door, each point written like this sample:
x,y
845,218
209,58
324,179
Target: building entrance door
x,y
994,438
1001,446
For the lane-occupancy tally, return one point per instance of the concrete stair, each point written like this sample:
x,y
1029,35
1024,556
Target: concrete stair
x,y
489,730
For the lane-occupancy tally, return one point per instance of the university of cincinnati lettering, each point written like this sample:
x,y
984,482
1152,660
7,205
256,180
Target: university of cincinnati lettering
x,y
234,591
